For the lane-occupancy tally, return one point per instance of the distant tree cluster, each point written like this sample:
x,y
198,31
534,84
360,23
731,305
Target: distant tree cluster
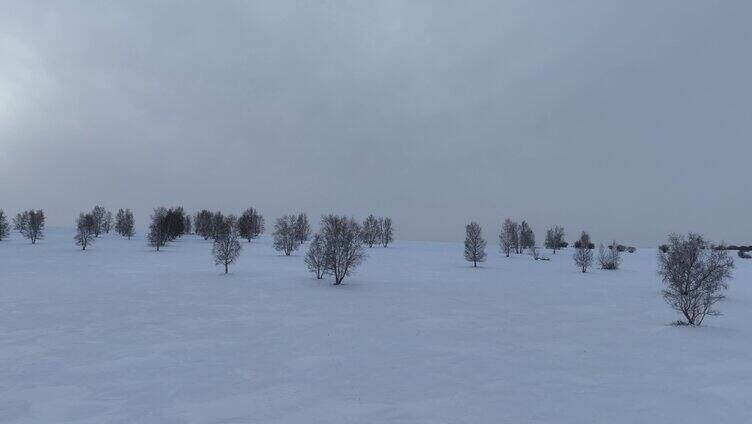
x,y
250,224
555,238
102,220
166,225
4,227
30,224
517,238
124,223
290,232
337,250
377,231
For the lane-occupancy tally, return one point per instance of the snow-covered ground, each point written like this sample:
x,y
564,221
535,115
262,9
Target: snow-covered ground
x,y
123,334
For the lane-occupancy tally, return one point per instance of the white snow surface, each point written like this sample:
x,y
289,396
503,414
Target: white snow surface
x,y
123,334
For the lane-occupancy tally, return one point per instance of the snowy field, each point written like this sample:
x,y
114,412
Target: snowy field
x,y
123,334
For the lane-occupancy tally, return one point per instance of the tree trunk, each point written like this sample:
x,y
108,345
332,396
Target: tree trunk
x,y
225,267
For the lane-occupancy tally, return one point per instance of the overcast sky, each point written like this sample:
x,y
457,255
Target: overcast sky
x,y
630,119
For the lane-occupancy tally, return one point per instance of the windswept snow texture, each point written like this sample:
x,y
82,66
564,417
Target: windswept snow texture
x,y
123,334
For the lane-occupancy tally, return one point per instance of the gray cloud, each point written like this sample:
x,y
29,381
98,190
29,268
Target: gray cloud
x,y
629,119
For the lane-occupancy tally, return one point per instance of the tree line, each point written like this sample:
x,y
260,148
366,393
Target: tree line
x,y
694,271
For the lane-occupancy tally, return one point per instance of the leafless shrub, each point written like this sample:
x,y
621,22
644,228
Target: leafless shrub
x,y
695,276
583,256
609,258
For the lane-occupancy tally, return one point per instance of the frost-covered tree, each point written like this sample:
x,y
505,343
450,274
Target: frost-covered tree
x,y
4,227
30,224
695,276
609,258
158,234
226,248
555,238
285,236
315,257
387,231
250,224
203,223
508,239
370,231
527,237
475,245
124,223
302,228
85,227
583,256
343,246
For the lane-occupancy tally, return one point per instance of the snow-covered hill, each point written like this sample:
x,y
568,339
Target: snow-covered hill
x,y
123,334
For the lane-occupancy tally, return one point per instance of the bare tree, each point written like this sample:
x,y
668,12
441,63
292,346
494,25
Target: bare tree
x,y
387,232
285,237
583,256
4,227
555,238
30,224
527,237
226,248
695,276
158,232
508,239
99,213
188,224
222,225
85,230
343,246
107,222
475,245
124,223
316,256
250,224
609,258
370,231
302,228
203,223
